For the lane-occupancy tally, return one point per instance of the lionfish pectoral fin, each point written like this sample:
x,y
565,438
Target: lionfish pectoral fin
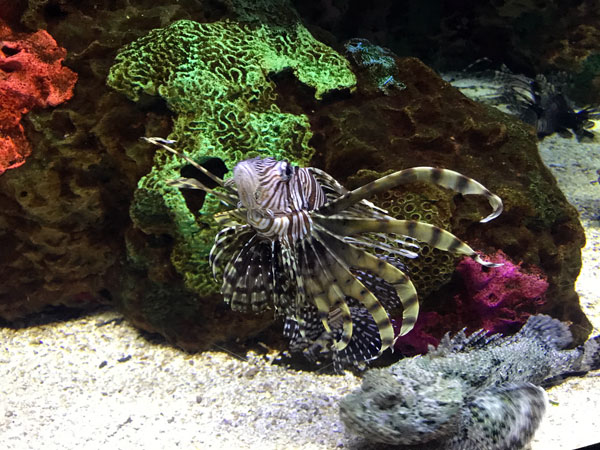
x,y
478,259
350,286
231,218
442,177
355,289
192,183
155,140
188,183
227,241
322,304
347,327
246,282
229,197
395,277
434,236
319,281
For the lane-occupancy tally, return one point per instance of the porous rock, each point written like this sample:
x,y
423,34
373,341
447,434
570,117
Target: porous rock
x,y
72,238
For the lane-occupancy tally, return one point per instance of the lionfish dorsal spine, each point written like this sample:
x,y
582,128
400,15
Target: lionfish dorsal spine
x,y
229,197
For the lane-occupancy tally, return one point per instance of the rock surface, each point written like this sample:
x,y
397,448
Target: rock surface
x,y
71,237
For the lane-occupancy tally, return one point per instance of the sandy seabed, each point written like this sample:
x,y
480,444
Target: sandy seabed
x,y
95,382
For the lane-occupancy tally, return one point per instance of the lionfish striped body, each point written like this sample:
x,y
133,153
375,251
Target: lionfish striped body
x,y
323,257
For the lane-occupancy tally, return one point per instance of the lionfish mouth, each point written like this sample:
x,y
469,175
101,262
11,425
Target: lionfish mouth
x,y
325,258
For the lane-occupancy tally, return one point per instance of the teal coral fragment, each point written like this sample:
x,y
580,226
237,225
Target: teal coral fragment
x,y
215,77
378,62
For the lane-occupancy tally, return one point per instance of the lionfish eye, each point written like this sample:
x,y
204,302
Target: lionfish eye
x,y
287,171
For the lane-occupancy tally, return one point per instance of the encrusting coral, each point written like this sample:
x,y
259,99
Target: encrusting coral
x,y
32,75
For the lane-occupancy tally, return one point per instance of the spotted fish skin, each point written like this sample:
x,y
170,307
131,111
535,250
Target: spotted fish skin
x,y
476,392
295,240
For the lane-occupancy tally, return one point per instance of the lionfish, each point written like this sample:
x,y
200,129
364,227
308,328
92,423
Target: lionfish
x,y
542,104
323,257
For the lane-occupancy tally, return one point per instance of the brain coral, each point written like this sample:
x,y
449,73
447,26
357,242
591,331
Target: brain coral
x,y
215,77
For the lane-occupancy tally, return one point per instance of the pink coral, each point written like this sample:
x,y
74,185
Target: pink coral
x,y
31,76
498,299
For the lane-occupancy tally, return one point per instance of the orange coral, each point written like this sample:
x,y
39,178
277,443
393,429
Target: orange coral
x,y
31,76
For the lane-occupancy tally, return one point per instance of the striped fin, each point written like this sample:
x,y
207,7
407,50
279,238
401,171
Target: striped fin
x,y
291,304
401,282
442,177
227,242
230,196
246,281
351,286
192,183
328,183
317,344
163,143
230,218
284,283
324,179
318,262
434,236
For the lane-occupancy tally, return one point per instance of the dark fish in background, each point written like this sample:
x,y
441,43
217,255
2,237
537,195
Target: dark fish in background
x,y
543,105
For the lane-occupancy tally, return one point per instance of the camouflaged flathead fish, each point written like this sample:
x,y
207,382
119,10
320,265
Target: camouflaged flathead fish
x,y
476,392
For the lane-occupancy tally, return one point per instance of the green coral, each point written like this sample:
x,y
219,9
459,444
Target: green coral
x,y
215,77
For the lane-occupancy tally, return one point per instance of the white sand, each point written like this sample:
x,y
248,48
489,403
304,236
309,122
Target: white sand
x,y
55,395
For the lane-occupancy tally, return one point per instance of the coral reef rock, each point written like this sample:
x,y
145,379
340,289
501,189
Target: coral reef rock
x,y
429,123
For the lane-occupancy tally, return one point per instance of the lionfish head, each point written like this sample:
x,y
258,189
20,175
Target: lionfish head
x,y
258,180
